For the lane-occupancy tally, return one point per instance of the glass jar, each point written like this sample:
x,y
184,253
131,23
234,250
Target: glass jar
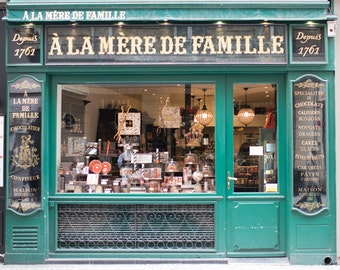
x,y
191,158
171,166
197,175
207,171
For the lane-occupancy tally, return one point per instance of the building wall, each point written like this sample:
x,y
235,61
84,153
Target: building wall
x,y
337,121
298,236
3,102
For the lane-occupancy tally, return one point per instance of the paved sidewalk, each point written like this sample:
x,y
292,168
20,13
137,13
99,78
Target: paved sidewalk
x,y
233,264
239,266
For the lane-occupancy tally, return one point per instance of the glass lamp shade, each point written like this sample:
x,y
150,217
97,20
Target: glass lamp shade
x,y
204,117
246,116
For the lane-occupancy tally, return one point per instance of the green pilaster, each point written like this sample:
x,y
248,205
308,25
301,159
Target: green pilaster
x,y
26,232
312,236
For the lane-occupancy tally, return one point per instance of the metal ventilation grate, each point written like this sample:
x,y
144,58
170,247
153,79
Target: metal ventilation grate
x,y
151,227
25,238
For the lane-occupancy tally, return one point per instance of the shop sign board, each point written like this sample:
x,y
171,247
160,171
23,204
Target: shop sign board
x,y
195,44
166,44
308,44
24,45
36,11
310,186
24,176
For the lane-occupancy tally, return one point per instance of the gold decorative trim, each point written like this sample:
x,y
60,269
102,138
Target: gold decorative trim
x,y
26,85
310,206
309,84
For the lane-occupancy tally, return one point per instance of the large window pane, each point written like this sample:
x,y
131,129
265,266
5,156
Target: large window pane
x,y
136,138
255,144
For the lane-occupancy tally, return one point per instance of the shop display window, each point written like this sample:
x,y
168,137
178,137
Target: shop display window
x,y
255,143
136,138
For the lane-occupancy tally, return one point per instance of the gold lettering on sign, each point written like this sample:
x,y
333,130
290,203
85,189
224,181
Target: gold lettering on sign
x,y
106,45
55,46
25,145
66,15
165,45
309,156
24,128
24,192
179,45
309,44
23,39
25,102
303,38
22,115
25,178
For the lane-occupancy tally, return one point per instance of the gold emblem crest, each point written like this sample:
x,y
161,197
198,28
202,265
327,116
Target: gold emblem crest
x,y
25,156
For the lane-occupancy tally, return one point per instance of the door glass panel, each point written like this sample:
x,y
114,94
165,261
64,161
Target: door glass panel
x,y
136,138
255,143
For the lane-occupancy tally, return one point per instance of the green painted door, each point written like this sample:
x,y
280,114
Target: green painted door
x,y
256,189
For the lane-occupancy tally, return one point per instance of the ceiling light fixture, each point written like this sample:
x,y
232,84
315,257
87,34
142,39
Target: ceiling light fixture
x,y
204,116
246,115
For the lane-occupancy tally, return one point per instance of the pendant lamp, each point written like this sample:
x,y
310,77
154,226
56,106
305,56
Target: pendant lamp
x,y
204,116
246,115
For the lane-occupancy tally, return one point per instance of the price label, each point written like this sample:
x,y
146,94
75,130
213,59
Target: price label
x,y
24,45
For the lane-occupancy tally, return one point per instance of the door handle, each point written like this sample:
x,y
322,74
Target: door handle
x,y
230,179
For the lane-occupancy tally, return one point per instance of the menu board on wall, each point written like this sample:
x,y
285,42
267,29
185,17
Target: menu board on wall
x,y
24,184
310,192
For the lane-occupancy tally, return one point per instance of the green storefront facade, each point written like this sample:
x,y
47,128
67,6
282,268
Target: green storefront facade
x,y
90,82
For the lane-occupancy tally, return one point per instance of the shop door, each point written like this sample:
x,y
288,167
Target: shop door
x,y
255,189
